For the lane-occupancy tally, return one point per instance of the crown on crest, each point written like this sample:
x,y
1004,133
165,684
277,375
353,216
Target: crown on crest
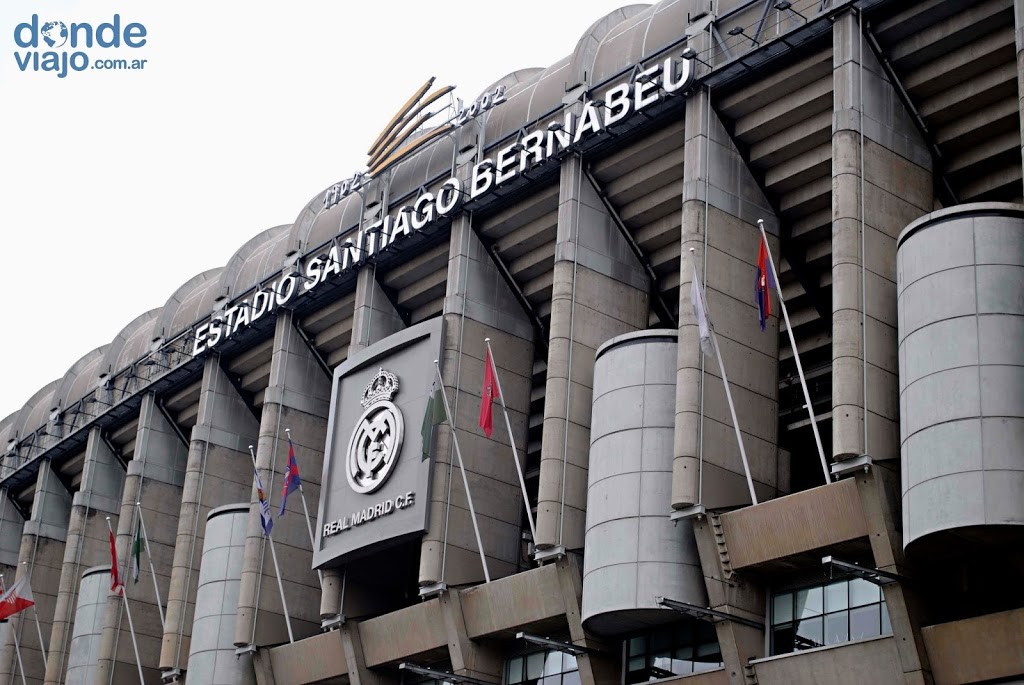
x,y
382,388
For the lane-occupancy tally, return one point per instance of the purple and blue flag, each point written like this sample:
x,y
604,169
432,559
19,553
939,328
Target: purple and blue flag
x,y
763,286
291,477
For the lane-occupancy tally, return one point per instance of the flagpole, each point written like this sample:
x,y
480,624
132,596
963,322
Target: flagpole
x,y
728,392
305,510
462,469
512,440
277,569
17,648
39,629
131,624
796,356
152,571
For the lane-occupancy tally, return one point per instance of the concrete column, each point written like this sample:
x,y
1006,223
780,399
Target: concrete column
x,y
218,472
358,673
1018,28
297,398
42,547
733,594
881,181
467,657
478,305
11,524
155,477
721,204
600,667
87,542
373,319
599,291
879,490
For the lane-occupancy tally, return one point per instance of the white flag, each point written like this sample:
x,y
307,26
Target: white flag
x,y
700,310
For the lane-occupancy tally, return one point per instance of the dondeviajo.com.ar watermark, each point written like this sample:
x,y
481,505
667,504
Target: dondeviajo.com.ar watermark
x,y
58,48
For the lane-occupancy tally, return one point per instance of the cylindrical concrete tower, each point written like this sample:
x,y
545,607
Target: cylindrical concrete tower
x,y
960,280
85,641
634,552
211,657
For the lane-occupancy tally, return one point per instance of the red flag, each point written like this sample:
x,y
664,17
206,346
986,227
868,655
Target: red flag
x,y
115,578
17,598
488,395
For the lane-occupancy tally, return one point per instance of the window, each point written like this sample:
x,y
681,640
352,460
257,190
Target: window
x,y
678,650
827,615
545,667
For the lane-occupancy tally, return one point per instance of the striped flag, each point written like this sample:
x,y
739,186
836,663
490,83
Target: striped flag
x,y
115,576
700,310
432,416
137,552
291,476
265,518
763,285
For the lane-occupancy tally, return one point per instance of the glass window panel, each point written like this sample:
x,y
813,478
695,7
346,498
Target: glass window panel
x,y
551,680
552,663
682,666
515,670
862,592
534,666
782,608
808,602
684,634
699,666
706,633
709,652
660,642
886,626
683,652
865,621
571,678
782,639
837,627
662,663
636,646
568,662
808,633
637,663
836,596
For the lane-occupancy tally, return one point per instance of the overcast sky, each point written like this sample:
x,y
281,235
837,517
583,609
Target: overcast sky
x,y
118,186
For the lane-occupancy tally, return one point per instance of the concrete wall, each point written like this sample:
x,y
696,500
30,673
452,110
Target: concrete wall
x,y
634,552
961,279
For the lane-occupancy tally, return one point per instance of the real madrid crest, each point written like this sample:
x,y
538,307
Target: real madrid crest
x,y
377,439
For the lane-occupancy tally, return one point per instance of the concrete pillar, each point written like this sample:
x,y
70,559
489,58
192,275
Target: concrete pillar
x,y
478,304
600,667
218,472
373,319
358,673
11,524
88,628
42,547
881,181
297,398
1018,28
733,594
87,542
154,479
468,658
599,291
721,204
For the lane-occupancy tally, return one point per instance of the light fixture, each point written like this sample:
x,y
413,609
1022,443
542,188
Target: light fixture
x,y
441,675
705,613
690,53
872,575
739,31
784,5
557,645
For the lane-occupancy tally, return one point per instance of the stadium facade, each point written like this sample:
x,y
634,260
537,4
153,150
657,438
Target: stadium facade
x,y
562,219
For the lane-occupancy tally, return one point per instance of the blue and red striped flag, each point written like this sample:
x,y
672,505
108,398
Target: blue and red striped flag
x,y
265,518
763,285
291,476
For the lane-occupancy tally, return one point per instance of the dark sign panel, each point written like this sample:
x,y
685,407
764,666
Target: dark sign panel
x,y
376,482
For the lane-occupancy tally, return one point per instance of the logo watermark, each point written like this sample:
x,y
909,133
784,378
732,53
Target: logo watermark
x,y
59,48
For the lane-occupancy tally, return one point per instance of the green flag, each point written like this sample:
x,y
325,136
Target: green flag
x,y
433,416
137,553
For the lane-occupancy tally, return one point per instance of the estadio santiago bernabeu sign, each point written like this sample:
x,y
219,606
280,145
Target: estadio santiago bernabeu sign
x,y
354,248
375,487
